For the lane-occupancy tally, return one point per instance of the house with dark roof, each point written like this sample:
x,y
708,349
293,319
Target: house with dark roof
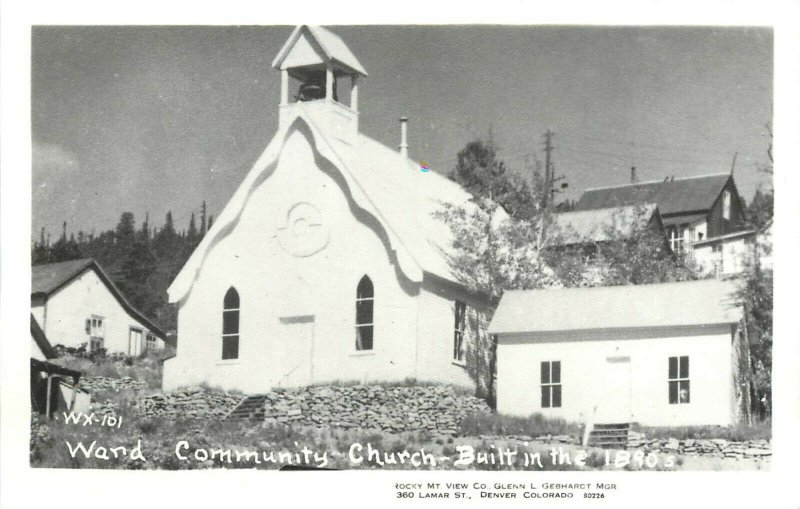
x,y
76,304
54,388
672,354
692,208
327,263
704,212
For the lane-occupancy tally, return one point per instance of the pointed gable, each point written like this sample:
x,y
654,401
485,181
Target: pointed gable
x,y
309,45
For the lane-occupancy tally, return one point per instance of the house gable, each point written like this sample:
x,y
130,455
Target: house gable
x,y
49,279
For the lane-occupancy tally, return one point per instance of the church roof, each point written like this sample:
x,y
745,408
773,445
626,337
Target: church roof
x,y
388,184
689,303
678,196
331,45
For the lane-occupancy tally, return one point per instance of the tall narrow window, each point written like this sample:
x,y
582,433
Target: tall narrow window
x,y
230,325
676,238
551,384
96,329
458,331
726,204
678,380
365,304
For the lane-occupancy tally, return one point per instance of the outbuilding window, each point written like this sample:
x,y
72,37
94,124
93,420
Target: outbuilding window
x,y
230,325
458,331
365,309
678,380
551,384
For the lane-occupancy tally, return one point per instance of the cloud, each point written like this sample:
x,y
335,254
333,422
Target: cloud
x,y
50,158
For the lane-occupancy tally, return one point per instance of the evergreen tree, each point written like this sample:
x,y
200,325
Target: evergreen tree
x,y
191,235
165,242
203,220
40,253
125,235
144,231
64,249
137,267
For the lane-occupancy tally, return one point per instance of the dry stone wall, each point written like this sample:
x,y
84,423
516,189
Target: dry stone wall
x,y
437,409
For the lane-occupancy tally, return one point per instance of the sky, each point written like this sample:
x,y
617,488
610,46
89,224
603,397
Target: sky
x,y
156,119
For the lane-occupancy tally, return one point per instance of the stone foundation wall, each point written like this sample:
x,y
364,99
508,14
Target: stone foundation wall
x,y
438,409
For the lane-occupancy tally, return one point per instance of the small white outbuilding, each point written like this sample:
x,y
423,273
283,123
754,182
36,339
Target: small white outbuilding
x,y
672,354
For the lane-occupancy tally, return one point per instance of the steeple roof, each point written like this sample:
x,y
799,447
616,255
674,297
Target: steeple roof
x,y
323,42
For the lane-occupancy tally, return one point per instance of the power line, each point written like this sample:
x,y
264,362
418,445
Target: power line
x,y
644,157
634,144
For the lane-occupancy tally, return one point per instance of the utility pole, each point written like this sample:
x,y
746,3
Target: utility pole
x,y
548,171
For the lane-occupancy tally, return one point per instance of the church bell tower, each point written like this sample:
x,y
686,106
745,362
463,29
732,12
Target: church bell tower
x,y
319,77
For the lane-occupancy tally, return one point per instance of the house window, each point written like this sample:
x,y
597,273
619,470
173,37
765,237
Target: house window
x,y
458,331
678,380
230,325
676,238
365,309
95,328
726,204
150,342
551,384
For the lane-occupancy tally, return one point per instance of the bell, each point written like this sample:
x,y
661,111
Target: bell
x,y
313,87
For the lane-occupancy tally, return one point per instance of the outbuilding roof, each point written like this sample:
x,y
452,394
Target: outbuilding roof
x,y
690,303
674,196
602,224
48,278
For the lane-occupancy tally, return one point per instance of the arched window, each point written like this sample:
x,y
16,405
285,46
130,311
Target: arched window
x,y
230,325
365,303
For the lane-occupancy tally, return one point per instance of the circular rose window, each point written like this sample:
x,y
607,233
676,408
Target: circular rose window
x,y
303,232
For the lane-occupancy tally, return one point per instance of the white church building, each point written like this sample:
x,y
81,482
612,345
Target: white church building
x,y
326,264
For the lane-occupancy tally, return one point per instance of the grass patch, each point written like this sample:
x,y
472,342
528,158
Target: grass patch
x,y
738,433
484,423
146,368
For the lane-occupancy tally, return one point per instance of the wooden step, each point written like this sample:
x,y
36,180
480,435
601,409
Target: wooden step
x,y
609,435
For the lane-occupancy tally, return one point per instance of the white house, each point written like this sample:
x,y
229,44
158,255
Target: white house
x,y
326,264
725,255
661,355
76,303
